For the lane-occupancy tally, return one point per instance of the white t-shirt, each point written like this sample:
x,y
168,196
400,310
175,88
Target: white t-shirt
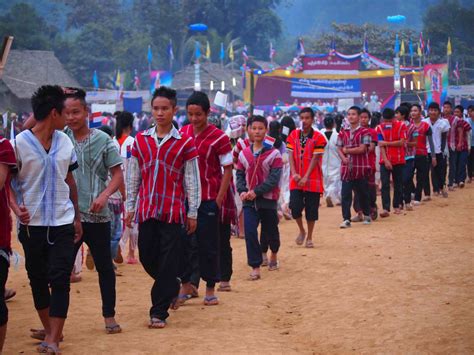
x,y
40,182
439,127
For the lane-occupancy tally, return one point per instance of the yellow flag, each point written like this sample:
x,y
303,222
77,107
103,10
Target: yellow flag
x,y
231,52
419,51
208,51
402,48
449,49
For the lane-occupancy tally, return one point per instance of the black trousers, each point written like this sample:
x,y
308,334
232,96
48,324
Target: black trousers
x,y
207,233
225,252
422,168
252,218
189,260
159,248
49,258
470,163
397,176
97,238
408,186
438,173
361,189
4,265
372,196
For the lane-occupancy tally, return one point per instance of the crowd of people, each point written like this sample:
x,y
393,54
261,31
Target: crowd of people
x,y
175,194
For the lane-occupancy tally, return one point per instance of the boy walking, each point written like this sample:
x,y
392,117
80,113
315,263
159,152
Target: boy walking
x,y
392,135
258,175
353,143
305,151
162,172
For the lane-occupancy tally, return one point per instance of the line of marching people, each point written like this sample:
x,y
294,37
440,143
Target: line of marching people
x,y
184,189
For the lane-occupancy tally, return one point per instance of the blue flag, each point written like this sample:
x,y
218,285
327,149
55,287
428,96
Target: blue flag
x,y
222,53
149,55
170,51
198,50
95,80
396,49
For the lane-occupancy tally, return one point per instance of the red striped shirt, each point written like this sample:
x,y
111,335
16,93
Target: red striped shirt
x,y
161,195
239,146
390,132
358,166
466,127
424,130
210,144
7,157
302,157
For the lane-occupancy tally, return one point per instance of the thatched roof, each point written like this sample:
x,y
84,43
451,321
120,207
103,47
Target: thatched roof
x,y
184,79
27,70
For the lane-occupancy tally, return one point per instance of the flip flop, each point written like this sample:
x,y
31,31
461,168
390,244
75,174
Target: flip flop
x,y
272,266
39,334
309,244
211,301
9,293
113,329
300,239
254,277
156,323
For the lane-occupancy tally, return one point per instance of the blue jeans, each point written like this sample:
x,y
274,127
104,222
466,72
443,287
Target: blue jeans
x,y
453,167
116,229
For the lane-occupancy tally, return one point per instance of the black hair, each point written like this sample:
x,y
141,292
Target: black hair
x,y
76,94
175,124
249,121
274,131
407,105
388,113
375,120
417,105
260,119
435,105
288,122
470,107
339,120
459,107
116,113
166,92
307,109
107,130
404,111
364,110
200,99
329,121
124,120
448,103
355,108
46,99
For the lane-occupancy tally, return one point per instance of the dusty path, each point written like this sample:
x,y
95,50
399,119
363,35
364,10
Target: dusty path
x,y
403,285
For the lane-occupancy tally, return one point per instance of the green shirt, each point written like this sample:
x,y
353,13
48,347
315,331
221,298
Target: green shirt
x,y
95,155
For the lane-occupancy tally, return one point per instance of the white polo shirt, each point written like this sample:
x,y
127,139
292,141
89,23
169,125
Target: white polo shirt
x,y
439,127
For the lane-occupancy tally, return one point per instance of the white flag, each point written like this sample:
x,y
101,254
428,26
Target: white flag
x,y
5,120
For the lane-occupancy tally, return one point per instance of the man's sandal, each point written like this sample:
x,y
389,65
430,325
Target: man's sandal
x,y
211,301
113,329
40,334
156,323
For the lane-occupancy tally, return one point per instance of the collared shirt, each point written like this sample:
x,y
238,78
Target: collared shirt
x,y
215,152
393,131
239,146
7,157
465,127
453,132
40,182
440,126
96,155
424,131
162,173
412,135
303,149
358,166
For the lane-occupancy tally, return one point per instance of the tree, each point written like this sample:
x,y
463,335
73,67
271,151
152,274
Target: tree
x,y
28,28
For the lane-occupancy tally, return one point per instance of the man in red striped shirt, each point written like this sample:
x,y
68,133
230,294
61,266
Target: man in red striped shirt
x,y
353,143
462,145
306,149
163,171
215,156
392,135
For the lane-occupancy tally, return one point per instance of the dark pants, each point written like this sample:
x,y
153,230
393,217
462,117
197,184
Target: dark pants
x,y
97,238
361,189
453,167
49,258
372,196
470,164
397,176
207,233
225,252
269,220
422,168
159,249
438,173
461,166
4,264
408,185
189,261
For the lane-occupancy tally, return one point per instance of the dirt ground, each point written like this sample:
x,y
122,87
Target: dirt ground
x,y
405,284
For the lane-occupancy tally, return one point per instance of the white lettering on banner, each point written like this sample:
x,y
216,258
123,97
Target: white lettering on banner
x,y
327,62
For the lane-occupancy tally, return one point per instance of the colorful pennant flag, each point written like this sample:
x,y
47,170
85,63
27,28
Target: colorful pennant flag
x,y
268,142
136,81
95,80
421,43
197,51
300,48
272,52
118,81
245,54
222,52
449,48
231,51
456,72
428,48
402,48
95,120
396,48
208,50
170,51
149,55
